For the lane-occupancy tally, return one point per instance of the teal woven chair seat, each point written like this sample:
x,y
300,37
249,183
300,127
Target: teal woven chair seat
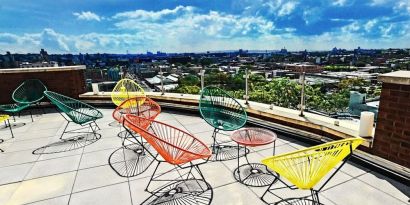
x,y
28,93
76,111
13,108
222,112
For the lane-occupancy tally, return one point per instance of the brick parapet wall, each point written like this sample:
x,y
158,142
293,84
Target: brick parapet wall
x,y
392,136
69,82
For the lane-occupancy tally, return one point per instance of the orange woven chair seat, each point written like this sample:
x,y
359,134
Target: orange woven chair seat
x,y
148,109
174,145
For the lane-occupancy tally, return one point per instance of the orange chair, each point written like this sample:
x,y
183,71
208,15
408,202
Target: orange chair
x,y
177,148
140,106
148,109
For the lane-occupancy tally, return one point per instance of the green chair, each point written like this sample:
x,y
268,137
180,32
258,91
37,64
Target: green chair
x,y
75,111
30,92
222,112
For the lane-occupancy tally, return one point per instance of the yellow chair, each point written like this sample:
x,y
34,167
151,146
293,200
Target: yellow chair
x,y
306,167
5,119
126,89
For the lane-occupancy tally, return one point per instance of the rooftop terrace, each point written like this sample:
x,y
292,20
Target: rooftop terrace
x,y
33,174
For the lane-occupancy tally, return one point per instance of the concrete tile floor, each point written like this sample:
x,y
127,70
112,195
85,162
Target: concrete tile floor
x,y
83,175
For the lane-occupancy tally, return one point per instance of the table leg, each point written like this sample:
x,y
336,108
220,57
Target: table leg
x,y
274,147
239,172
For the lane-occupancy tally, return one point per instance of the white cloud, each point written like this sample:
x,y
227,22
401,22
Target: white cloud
x,y
184,21
87,16
370,24
287,8
154,15
339,2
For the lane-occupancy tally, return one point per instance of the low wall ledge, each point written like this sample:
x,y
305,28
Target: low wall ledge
x,y
41,69
398,77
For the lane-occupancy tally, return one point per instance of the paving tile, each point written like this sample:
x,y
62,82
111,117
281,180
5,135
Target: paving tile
x,y
138,192
62,200
199,127
238,195
108,195
96,177
28,144
6,191
59,155
14,173
217,174
387,185
15,158
43,188
97,158
54,166
357,192
102,144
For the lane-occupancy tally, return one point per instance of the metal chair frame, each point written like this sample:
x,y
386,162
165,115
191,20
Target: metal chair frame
x,y
177,167
314,193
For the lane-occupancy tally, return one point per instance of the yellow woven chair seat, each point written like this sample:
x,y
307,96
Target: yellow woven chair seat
x,y
306,167
126,89
4,117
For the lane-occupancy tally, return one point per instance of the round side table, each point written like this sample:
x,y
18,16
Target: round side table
x,y
254,174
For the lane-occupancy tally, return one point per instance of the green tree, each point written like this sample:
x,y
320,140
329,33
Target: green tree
x,y
189,80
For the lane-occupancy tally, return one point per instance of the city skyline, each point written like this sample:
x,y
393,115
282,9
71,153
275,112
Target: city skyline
x,y
196,26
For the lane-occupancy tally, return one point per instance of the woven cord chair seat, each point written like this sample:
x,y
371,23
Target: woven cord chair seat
x,y
140,106
76,110
174,145
306,167
126,89
13,108
29,92
220,110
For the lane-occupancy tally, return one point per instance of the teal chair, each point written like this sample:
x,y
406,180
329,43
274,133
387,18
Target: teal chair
x,y
75,111
222,112
30,92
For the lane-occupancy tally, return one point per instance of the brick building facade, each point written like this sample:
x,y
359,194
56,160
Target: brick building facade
x,y
392,136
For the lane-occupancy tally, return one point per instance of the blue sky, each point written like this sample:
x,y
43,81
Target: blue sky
x,y
115,26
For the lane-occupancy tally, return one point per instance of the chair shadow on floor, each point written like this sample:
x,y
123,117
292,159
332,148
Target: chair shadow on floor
x,y
131,160
14,125
188,191
68,144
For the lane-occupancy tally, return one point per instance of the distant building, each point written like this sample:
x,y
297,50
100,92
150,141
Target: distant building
x,y
38,65
308,68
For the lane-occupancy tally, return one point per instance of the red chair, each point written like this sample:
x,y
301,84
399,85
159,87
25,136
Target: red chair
x,y
175,147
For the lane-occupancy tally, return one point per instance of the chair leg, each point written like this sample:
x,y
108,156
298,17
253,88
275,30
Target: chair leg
x,y
31,115
315,197
1,141
11,131
62,134
152,177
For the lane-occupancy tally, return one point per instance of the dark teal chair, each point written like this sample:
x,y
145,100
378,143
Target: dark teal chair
x,y
30,92
222,112
75,111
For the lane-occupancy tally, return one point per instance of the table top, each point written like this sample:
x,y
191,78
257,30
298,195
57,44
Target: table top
x,y
253,136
